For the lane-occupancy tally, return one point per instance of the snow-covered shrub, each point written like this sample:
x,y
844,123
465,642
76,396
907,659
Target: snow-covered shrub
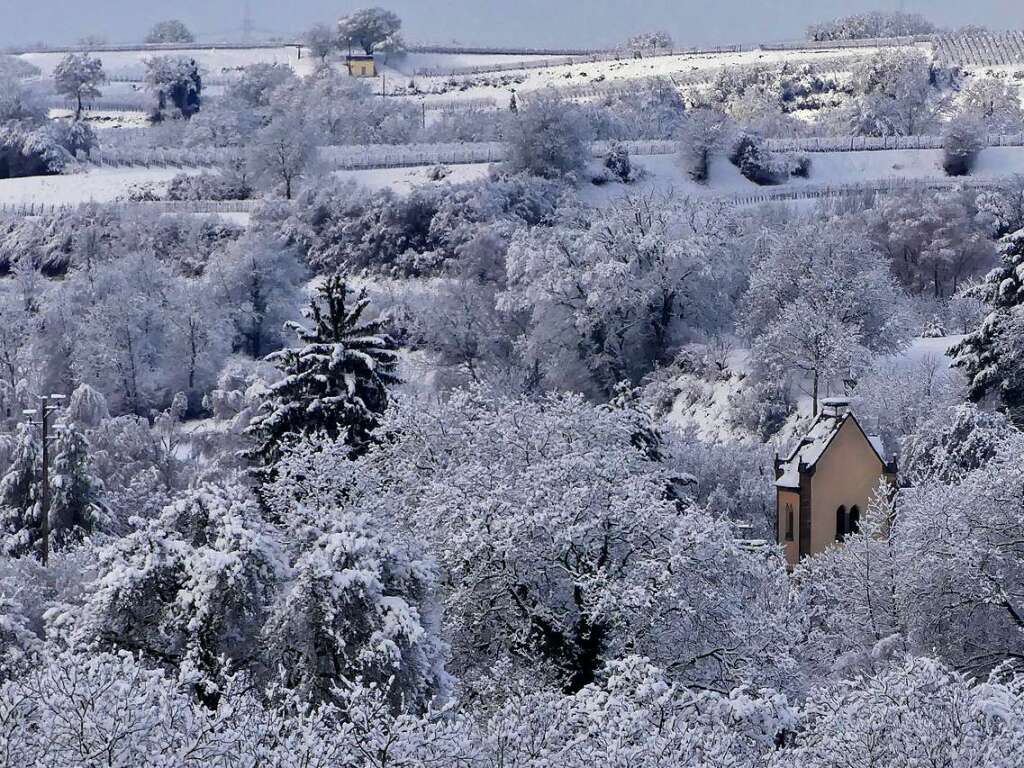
x,y
257,82
751,155
357,607
549,138
206,186
899,711
188,589
617,162
30,151
438,172
16,68
962,142
174,82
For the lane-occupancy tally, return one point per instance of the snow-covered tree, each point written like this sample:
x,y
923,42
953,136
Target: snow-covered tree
x,y
199,338
895,95
20,495
871,25
188,589
75,494
650,41
257,82
704,132
87,407
368,28
356,607
259,284
952,443
79,76
281,153
962,142
169,31
611,295
335,384
561,548
174,81
548,138
995,103
321,41
992,357
820,302
936,243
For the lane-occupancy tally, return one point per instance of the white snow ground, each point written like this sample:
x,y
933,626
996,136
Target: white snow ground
x,y
97,185
664,174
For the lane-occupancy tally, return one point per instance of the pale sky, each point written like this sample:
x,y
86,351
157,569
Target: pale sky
x,y
484,22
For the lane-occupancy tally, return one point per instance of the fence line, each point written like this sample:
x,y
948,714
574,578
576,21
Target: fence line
x,y
156,206
369,156
880,143
888,186
770,195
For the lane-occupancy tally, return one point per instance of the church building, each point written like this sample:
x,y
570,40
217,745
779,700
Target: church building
x,y
825,484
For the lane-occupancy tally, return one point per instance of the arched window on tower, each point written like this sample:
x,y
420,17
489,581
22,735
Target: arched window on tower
x,y
840,523
853,526
789,522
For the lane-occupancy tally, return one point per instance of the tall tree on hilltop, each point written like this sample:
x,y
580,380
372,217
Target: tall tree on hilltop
x,y
335,383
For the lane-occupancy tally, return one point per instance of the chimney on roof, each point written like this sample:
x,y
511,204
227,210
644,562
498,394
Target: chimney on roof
x,y
835,406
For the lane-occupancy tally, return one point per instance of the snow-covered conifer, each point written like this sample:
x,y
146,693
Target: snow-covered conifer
x,y
335,384
992,356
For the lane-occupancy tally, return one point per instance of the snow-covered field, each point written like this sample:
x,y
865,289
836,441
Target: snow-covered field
x,y
584,72
663,174
215,61
97,185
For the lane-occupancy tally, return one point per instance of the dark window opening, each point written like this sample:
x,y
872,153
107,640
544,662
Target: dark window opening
x,y
840,523
853,526
789,522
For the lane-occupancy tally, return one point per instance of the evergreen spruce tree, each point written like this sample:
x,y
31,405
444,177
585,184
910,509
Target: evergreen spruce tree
x,y
74,492
993,356
335,383
20,503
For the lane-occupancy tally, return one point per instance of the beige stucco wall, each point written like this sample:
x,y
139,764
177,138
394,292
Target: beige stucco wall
x,y
847,474
791,548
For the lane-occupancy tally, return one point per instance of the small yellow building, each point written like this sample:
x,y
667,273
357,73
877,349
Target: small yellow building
x,y
361,65
827,481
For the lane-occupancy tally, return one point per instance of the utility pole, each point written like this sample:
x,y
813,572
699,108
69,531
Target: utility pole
x,y
247,23
48,405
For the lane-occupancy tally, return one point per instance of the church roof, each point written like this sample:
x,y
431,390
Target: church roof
x,y
817,440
